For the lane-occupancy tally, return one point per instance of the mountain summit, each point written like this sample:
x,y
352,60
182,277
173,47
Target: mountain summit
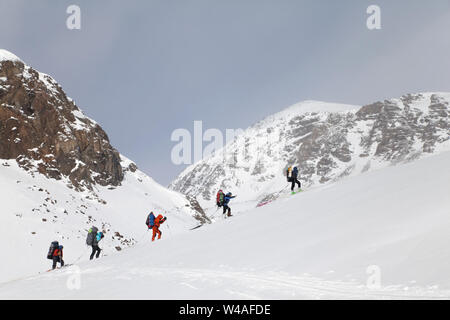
x,y
43,129
325,141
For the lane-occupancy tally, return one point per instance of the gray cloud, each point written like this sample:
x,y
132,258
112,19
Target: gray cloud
x,y
145,68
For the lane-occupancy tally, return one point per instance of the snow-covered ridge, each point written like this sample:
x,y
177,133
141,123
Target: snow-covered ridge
x,y
8,56
49,82
309,106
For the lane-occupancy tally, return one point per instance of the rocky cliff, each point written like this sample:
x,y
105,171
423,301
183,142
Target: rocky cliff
x,y
43,129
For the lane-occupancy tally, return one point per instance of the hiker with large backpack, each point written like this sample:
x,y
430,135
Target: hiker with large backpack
x,y
55,253
292,176
157,223
93,238
226,201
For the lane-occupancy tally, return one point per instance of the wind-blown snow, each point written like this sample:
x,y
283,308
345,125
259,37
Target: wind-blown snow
x,y
308,106
8,56
317,244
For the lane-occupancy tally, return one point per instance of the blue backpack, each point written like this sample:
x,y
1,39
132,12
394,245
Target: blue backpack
x,y
99,236
150,222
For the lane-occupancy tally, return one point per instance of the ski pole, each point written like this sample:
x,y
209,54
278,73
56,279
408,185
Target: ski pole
x,y
78,259
143,236
169,230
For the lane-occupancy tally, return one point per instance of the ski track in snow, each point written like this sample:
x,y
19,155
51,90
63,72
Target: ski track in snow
x,y
186,283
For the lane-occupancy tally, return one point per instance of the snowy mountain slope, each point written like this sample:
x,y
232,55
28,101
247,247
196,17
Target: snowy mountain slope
x,y
316,244
326,141
59,175
36,210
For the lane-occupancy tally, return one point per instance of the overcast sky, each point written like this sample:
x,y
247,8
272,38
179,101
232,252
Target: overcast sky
x,y
145,68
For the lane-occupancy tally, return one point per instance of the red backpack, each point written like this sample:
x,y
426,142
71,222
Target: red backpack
x,y
219,198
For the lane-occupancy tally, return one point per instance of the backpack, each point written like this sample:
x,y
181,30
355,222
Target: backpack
x,y
220,198
289,174
99,236
150,222
91,235
53,246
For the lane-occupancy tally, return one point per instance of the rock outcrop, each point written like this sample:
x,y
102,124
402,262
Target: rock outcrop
x,y
44,130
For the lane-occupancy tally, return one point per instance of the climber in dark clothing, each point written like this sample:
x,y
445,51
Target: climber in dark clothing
x,y
95,249
226,200
294,179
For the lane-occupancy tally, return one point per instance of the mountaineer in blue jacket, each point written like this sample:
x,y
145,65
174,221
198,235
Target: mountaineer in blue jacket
x,y
226,200
95,248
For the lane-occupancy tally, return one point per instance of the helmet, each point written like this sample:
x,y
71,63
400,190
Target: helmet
x,y
60,247
229,194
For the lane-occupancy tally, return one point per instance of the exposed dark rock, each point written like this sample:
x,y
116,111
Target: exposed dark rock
x,y
44,130
201,215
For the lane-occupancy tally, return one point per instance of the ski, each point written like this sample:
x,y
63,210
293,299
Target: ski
x,y
57,268
261,204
